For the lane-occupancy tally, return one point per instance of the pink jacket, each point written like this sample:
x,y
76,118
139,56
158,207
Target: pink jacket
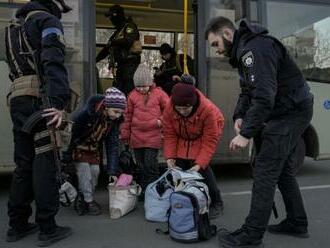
x,y
141,126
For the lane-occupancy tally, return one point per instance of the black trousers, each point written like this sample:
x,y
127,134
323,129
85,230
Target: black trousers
x,y
35,175
124,76
209,180
147,161
273,166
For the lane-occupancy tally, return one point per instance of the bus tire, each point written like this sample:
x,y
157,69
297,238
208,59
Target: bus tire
x,y
299,156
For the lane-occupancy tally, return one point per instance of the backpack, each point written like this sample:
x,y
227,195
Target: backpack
x,y
17,48
19,58
188,219
157,194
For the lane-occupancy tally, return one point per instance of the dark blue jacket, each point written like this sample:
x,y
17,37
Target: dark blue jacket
x,y
84,120
45,34
272,84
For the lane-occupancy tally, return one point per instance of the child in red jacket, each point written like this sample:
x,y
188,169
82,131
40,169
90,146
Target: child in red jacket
x,y
192,128
143,123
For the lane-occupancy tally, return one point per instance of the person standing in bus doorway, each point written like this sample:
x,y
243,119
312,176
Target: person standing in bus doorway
x,y
35,177
192,129
170,71
123,49
275,107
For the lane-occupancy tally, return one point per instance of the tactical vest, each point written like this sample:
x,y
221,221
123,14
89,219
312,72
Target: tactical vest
x,y
136,47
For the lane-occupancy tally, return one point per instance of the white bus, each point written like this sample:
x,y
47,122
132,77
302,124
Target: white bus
x,y
303,26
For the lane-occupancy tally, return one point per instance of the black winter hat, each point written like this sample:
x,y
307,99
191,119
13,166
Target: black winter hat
x,y
165,48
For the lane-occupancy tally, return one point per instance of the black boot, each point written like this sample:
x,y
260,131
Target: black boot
x,y
238,239
93,208
286,227
46,239
17,234
216,211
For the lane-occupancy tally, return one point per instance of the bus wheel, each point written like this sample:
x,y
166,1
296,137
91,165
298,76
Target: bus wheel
x,y
299,156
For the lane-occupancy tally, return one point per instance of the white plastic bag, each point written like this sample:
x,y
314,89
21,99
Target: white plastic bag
x,y
122,200
67,193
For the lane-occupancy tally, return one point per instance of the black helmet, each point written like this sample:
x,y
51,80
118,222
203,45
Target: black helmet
x,y
116,15
115,10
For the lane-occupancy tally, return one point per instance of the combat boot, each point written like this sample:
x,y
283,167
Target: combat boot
x,y
46,239
17,234
286,227
93,208
240,238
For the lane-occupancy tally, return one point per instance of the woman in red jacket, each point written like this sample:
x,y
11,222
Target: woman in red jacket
x,y
143,123
192,128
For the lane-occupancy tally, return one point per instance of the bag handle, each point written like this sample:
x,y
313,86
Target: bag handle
x,y
135,191
163,176
115,179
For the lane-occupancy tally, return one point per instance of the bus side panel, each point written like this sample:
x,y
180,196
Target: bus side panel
x,y
321,117
6,134
223,90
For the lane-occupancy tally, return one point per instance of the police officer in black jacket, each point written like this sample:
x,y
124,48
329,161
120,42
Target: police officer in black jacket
x,y
35,175
123,49
275,107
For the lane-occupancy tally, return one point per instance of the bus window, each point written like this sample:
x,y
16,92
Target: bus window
x,y
306,34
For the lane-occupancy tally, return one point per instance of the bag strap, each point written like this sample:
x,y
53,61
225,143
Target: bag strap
x,y
163,176
135,191
164,232
31,13
24,35
67,203
9,41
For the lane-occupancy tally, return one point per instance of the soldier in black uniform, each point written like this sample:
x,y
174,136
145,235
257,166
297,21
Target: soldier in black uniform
x,y
123,49
35,175
171,70
275,107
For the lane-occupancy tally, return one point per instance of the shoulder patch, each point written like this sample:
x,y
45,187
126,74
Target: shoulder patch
x,y
248,59
129,30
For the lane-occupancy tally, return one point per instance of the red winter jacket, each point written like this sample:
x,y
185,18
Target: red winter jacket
x,y
143,111
195,137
